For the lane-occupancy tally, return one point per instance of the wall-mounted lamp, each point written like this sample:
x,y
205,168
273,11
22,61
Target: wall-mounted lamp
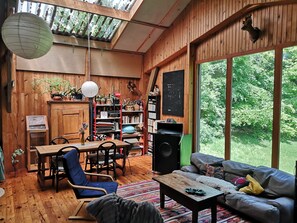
x,y
27,35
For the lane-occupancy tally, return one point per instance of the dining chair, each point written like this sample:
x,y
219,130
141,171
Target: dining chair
x,y
56,165
84,189
90,159
105,158
124,155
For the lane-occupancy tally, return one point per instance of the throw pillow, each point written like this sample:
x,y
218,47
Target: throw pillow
x,y
190,168
240,182
253,188
214,171
216,183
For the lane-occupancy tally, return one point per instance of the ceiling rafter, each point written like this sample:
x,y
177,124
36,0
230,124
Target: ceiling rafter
x,y
87,7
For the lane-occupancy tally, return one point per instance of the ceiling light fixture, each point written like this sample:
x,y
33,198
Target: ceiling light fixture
x,y
27,35
90,88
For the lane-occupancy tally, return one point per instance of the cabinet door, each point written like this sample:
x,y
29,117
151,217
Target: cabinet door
x,y
66,119
70,122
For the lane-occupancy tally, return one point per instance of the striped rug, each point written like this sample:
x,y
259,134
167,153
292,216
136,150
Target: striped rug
x,y
173,212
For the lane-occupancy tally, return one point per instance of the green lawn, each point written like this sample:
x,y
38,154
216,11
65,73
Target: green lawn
x,y
248,150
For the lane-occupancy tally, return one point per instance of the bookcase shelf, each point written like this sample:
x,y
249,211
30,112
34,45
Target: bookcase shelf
x,y
153,116
107,120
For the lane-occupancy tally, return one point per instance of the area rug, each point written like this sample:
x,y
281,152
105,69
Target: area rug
x,y
173,211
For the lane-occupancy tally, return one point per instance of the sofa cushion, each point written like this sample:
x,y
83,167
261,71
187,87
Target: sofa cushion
x,y
200,159
285,206
214,171
255,207
253,188
276,183
189,175
216,183
233,169
240,182
190,168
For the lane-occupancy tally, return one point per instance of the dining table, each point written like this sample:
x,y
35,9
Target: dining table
x,y
45,151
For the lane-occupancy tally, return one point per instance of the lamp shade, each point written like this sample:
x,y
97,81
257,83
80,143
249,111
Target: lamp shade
x,y
89,89
27,35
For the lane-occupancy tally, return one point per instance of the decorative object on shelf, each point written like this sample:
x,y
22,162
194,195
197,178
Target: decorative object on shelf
x,y
156,91
128,129
14,161
132,88
27,35
84,127
254,32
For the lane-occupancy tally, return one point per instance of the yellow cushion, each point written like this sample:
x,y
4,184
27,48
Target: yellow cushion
x,y
253,188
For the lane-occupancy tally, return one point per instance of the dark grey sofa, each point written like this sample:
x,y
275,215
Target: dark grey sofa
x,y
274,205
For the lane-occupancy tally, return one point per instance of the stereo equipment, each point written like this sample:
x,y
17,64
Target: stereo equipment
x,y
166,150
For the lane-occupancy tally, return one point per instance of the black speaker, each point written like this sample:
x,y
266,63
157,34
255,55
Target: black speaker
x,y
166,153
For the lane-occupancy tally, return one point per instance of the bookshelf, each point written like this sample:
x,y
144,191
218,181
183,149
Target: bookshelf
x,y
133,120
107,120
153,116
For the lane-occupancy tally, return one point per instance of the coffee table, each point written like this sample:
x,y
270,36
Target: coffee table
x,y
174,185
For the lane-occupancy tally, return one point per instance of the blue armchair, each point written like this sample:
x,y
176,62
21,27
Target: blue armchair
x,y
85,190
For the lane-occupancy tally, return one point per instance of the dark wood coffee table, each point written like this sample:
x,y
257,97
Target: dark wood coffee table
x,y
174,185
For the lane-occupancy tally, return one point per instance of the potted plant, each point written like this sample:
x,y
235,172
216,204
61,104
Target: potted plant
x,y
14,161
56,86
75,93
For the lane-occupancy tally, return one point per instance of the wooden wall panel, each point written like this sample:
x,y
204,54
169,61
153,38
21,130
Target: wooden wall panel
x,y
27,102
179,64
278,24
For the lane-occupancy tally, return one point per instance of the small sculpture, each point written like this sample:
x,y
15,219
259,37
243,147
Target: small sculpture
x,y
254,32
132,88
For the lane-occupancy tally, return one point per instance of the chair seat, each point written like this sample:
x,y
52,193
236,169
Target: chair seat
x,y
110,187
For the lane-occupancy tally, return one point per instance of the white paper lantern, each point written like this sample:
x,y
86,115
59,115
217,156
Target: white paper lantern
x,y
27,35
89,89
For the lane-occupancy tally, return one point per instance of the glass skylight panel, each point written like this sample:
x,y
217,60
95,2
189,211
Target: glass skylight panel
x,y
69,22
122,5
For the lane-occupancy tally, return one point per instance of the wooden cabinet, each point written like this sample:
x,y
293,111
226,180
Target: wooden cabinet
x,y
37,135
66,117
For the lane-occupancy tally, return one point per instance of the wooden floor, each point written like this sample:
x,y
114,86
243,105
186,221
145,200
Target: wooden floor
x,y
24,201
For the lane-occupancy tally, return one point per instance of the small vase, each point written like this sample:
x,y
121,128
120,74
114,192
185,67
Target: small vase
x,y
82,139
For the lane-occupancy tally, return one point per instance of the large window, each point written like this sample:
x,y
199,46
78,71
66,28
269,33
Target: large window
x,y
212,107
252,108
288,144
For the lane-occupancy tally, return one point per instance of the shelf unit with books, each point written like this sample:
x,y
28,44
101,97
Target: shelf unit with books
x,y
132,130
107,120
153,116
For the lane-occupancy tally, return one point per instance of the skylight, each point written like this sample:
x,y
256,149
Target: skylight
x,y
70,22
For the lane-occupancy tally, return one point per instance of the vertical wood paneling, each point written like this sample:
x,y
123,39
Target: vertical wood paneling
x,y
278,24
27,102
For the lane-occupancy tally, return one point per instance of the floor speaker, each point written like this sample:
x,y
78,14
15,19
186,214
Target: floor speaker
x,y
166,154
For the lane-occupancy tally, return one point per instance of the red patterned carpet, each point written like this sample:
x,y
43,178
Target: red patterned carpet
x,y
173,212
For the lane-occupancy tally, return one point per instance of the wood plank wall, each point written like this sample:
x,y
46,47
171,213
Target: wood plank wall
x,y
27,102
278,24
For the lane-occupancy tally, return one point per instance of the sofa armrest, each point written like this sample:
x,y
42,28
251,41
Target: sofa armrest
x,y
285,206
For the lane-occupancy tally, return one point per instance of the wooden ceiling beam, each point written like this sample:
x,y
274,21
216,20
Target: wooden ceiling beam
x,y
87,7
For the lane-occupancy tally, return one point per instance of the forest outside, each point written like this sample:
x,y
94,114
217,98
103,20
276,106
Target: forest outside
x,y
252,108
